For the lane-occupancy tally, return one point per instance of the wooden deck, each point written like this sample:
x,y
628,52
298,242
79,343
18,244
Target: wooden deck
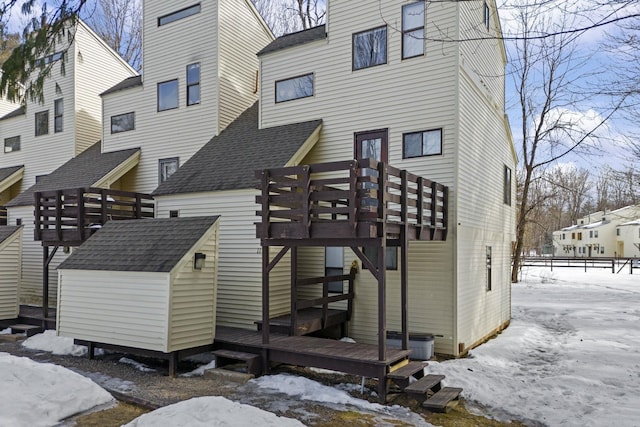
x,y
351,358
355,199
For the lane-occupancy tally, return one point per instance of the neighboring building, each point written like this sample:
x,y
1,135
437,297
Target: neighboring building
x,y
10,254
628,235
596,235
389,92
200,72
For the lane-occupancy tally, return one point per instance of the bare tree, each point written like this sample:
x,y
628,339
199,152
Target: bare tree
x,y
287,16
119,24
548,86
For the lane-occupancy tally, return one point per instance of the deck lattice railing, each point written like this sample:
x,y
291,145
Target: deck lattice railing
x,y
70,216
349,199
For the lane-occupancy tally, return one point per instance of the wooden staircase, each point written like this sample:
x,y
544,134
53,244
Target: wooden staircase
x,y
427,388
230,357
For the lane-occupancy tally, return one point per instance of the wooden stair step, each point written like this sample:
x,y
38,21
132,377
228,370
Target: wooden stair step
x,y
425,384
402,376
29,330
443,400
227,357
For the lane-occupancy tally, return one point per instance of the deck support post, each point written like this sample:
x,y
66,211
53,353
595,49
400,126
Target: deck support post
x,y
46,261
382,264
265,294
294,291
404,261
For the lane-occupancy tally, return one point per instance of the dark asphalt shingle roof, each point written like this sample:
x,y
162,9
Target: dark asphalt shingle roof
x,y
229,160
15,113
127,83
295,39
7,231
146,245
7,172
82,171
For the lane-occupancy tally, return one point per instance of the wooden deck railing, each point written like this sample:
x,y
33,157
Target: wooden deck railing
x,y
69,217
3,215
355,198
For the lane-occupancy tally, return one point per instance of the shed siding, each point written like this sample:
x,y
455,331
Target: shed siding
x,y
120,308
93,58
10,252
239,255
192,308
31,265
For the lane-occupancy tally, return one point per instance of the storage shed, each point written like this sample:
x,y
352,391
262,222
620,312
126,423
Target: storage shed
x,y
10,254
146,284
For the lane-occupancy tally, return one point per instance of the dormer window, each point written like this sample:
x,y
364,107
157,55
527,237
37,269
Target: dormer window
x,y
370,48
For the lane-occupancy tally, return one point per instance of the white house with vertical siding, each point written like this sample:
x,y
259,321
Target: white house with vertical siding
x,y
384,84
200,72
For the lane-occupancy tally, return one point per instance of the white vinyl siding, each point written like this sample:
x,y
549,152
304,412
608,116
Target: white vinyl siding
x,y
240,260
10,252
121,308
31,267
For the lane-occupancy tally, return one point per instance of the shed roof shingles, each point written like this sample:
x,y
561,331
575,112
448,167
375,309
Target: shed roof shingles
x,y
143,245
8,231
229,160
81,171
295,39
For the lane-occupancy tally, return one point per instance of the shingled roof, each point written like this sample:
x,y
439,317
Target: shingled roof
x,y
127,83
15,113
7,172
229,160
147,245
8,231
83,170
295,39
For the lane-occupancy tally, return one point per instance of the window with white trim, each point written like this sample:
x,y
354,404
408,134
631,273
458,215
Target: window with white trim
x,y
166,168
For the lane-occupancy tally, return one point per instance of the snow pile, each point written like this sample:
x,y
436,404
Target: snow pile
x,y
211,411
5,331
571,355
42,394
199,371
139,366
49,341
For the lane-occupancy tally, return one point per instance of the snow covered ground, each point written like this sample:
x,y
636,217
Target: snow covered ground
x,y
571,357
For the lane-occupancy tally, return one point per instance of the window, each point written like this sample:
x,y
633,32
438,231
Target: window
x,y
174,214
182,13
18,221
49,59
563,236
573,236
486,15
507,186
413,30
590,234
488,261
601,249
579,236
193,84
12,144
39,178
42,123
333,266
617,231
595,234
370,48
391,258
294,88
168,95
425,143
123,122
166,168
58,111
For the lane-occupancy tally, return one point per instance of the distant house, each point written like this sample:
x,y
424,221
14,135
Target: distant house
x,y
628,239
10,254
360,87
596,235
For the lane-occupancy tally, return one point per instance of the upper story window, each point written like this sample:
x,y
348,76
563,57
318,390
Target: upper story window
x,y
182,13
50,58
424,143
123,122
42,123
167,167
58,110
193,84
168,95
370,48
413,29
12,144
507,186
294,88
487,14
